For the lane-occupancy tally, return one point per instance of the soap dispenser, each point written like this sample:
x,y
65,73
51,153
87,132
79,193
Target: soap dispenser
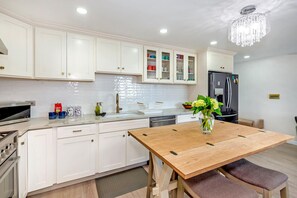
x,y
98,109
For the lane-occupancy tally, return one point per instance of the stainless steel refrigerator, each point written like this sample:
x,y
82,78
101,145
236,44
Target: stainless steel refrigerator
x,y
224,87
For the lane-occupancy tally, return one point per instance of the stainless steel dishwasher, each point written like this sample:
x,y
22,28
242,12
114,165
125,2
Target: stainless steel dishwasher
x,y
162,120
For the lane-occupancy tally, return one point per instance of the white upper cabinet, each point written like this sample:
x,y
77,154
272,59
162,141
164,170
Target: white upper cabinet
x,y
18,39
131,58
108,56
219,62
80,57
64,56
50,54
158,65
185,68
119,57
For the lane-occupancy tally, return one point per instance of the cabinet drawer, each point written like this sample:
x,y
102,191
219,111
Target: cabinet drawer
x,y
123,125
187,118
73,131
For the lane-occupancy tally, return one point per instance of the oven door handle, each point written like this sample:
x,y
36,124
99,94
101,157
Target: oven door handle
x,y
165,120
12,164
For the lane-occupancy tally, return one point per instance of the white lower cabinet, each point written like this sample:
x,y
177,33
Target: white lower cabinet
x,y
75,157
136,152
186,118
116,148
41,159
23,166
62,154
112,152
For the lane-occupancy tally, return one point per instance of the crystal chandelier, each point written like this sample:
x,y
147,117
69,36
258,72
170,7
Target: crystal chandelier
x,y
249,28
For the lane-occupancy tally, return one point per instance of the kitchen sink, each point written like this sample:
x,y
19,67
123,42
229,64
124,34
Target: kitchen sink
x,y
120,115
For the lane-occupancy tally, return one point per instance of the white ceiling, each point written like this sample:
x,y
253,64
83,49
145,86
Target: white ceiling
x,y
191,23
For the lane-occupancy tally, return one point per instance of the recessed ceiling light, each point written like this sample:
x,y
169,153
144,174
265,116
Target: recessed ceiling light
x,y
81,10
213,42
246,57
163,31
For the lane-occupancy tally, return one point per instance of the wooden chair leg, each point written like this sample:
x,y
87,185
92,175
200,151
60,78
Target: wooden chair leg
x,y
267,194
284,193
150,177
180,188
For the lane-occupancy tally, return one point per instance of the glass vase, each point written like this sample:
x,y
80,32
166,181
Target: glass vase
x,y
206,123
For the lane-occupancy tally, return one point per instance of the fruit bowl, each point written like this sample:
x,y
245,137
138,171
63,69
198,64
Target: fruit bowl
x,y
186,106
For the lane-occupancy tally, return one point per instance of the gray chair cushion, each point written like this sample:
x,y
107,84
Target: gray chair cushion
x,y
214,185
255,175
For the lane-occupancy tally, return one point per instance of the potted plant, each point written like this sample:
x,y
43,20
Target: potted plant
x,y
205,106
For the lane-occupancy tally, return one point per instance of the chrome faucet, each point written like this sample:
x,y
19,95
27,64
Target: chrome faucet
x,y
118,104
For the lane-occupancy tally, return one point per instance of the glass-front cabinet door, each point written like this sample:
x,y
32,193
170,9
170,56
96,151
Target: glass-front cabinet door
x,y
179,65
158,65
166,66
151,64
191,69
185,68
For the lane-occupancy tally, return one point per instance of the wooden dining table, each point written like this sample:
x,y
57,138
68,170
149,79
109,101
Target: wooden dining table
x,y
182,149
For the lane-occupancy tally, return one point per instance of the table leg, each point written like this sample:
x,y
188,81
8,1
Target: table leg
x,y
150,177
162,173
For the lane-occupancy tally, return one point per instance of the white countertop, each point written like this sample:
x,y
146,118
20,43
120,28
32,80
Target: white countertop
x,y
42,123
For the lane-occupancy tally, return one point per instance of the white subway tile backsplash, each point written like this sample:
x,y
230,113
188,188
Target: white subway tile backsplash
x,y
86,94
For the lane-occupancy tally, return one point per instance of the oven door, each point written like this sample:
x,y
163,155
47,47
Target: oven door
x,y
8,177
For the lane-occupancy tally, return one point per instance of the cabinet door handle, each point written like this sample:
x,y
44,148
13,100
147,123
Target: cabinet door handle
x,y
69,74
123,68
124,136
22,143
193,117
76,131
62,73
119,67
2,67
92,140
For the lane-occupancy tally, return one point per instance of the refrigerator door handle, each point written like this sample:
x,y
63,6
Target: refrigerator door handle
x,y
230,100
228,93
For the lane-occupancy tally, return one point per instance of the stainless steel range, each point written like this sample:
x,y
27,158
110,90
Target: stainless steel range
x,y
8,164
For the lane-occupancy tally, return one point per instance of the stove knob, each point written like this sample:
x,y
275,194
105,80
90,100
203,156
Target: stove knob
x,y
7,150
12,146
2,155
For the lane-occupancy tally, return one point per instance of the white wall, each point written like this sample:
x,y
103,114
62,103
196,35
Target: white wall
x,y
86,94
258,79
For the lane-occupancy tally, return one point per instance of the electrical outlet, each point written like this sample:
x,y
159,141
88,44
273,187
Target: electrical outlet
x,y
274,96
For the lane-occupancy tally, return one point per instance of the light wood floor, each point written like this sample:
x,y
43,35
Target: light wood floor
x,y
282,158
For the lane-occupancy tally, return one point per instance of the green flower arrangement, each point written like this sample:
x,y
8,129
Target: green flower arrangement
x,y
207,106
